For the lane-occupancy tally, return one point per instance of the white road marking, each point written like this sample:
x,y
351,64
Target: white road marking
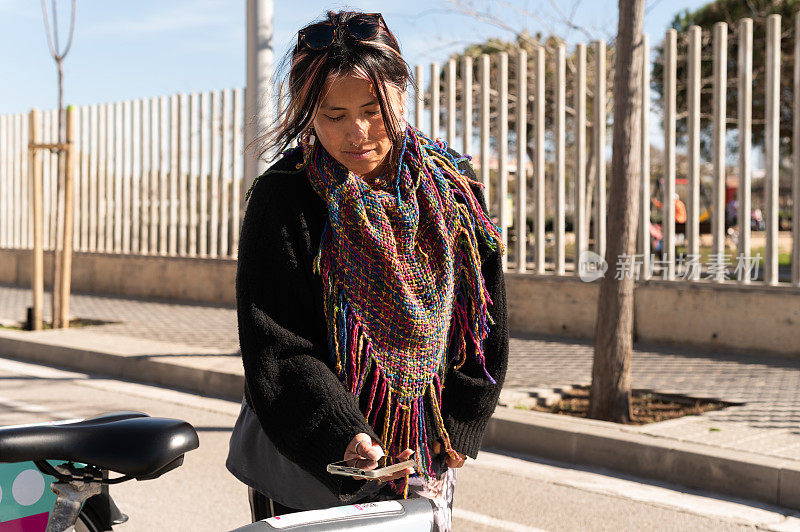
x,y
492,521
31,408
661,494
211,404
43,372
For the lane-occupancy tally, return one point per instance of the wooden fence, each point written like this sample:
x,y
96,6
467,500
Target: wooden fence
x,y
160,176
164,175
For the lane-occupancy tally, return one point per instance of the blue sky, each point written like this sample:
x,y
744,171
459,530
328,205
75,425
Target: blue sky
x,y
125,50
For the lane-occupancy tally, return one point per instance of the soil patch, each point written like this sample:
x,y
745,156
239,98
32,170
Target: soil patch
x,y
646,406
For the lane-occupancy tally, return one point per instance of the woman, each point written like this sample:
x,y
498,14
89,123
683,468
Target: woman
x,y
370,292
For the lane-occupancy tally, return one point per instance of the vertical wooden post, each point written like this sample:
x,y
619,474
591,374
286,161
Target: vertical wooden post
x,y
194,135
644,198
579,220
127,166
772,147
82,213
164,172
745,124
143,177
237,171
502,171
485,126
152,247
137,164
225,173
451,101
466,74
92,175
26,229
119,173
174,154
106,216
718,150
144,194
102,169
183,173
55,207
434,100
668,188
215,139
693,148
35,173
599,138
559,81
5,184
57,232
19,188
69,193
795,160
522,159
5,209
206,139
538,164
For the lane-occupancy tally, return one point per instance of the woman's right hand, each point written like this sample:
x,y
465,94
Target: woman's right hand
x,y
364,453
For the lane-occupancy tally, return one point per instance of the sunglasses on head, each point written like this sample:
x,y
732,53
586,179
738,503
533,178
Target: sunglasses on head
x,y
361,27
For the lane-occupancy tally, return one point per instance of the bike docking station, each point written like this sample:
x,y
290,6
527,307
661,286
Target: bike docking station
x,y
408,515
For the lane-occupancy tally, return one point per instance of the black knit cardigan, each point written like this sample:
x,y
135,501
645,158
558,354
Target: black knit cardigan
x,y
289,382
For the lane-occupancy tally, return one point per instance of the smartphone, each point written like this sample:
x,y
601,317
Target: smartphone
x,y
341,468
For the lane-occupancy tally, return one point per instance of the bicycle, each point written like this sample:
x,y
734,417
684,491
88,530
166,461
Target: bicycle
x,y
76,458
406,515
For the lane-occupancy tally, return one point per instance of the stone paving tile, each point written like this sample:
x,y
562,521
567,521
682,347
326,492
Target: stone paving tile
x,y
768,422
198,325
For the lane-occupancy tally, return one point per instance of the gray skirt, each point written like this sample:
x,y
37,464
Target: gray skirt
x,y
255,461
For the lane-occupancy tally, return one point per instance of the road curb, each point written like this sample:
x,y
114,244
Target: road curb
x,y
143,368
619,448
568,439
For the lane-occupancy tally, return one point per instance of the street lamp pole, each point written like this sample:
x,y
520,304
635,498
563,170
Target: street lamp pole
x,y
259,109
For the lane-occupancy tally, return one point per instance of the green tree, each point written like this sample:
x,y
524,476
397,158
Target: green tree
x,y
731,11
525,41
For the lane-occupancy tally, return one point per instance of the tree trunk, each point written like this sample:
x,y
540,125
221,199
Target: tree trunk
x,y
610,397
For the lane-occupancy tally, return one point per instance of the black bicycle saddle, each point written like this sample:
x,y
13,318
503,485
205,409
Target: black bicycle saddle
x,y
130,443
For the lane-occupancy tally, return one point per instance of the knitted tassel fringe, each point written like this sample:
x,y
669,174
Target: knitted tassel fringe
x,y
403,424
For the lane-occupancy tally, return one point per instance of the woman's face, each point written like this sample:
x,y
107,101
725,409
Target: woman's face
x,y
349,125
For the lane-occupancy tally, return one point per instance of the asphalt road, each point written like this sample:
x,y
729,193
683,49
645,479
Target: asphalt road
x,y
494,492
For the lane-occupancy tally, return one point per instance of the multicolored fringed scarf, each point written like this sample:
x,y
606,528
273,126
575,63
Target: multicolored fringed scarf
x,y
401,272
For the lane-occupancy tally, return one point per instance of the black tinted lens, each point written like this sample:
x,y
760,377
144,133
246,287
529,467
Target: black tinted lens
x,y
318,36
363,27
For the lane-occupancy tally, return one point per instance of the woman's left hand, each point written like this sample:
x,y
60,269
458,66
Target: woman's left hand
x,y
451,462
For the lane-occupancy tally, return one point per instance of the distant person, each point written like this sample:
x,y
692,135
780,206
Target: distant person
x,y
731,209
370,292
680,209
756,220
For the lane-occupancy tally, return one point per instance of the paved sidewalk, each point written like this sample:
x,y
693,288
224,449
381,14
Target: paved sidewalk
x,y
202,337
768,423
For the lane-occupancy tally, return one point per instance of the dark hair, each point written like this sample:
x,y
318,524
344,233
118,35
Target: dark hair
x,y
378,60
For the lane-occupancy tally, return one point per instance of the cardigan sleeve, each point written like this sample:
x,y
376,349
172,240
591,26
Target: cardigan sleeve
x,y
469,397
301,405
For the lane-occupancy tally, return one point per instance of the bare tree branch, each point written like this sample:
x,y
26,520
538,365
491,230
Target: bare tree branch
x,y
569,21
